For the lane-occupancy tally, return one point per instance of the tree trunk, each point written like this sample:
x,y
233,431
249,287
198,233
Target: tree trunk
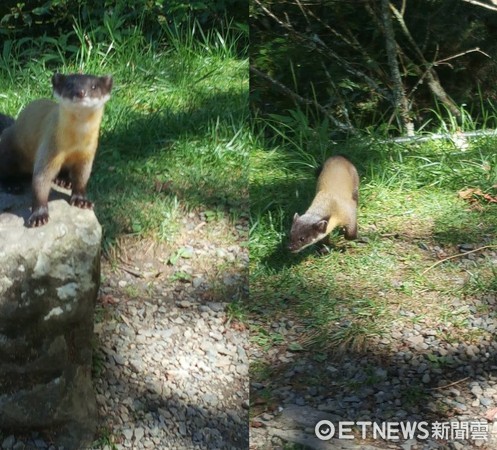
x,y
400,101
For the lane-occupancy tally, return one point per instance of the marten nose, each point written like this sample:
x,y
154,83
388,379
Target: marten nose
x,y
81,93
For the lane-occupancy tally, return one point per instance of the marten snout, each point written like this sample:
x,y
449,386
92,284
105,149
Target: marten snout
x,y
81,93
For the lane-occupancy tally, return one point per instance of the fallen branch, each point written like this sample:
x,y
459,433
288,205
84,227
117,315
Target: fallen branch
x,y
449,385
437,136
483,5
133,272
457,256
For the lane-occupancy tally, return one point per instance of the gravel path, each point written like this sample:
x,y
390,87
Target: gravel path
x,y
171,360
174,376
419,371
174,367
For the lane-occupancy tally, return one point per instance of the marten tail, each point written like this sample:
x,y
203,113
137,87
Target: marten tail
x,y
5,122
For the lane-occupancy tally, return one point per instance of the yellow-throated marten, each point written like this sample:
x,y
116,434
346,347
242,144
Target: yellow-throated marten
x,y
335,205
51,139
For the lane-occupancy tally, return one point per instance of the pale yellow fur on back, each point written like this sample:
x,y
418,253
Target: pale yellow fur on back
x,y
336,192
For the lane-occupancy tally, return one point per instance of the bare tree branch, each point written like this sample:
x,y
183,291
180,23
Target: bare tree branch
x,y
316,43
299,99
483,5
477,49
431,75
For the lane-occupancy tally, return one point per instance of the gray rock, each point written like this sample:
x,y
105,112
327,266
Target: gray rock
x,y
49,278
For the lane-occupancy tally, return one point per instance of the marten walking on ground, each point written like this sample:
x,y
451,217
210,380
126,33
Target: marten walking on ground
x,y
56,141
335,205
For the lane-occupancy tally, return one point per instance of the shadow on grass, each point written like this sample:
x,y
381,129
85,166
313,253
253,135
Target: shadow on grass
x,y
139,161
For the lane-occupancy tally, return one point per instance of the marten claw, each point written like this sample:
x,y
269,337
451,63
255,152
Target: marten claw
x,y
81,202
37,219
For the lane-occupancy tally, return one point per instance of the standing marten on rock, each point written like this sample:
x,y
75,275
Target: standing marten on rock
x,y
335,205
56,141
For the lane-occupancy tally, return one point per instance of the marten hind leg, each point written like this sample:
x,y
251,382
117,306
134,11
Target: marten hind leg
x,y
12,177
79,176
10,163
350,232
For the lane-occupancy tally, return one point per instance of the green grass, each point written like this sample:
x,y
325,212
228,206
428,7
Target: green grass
x,y
174,137
410,209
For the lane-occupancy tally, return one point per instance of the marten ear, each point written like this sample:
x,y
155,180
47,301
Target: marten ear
x,y
107,82
321,226
57,79
295,217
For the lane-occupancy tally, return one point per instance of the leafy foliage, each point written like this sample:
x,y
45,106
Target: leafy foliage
x,y
41,18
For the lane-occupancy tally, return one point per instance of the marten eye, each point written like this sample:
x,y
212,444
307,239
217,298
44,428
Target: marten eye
x,y
93,87
302,239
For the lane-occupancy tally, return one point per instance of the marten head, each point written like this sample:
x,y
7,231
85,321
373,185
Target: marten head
x,y
87,91
306,230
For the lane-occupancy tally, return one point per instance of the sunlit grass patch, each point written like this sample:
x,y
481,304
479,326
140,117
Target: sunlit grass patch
x,y
401,271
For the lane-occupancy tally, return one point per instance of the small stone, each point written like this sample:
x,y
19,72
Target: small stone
x,y
477,390
184,304
416,340
128,434
216,306
486,401
182,429
8,442
211,399
139,433
136,365
120,361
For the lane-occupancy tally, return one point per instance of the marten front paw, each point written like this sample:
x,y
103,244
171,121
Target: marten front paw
x,y
81,202
39,217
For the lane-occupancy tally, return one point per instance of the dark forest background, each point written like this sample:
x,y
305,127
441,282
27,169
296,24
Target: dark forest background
x,y
390,65
51,23
47,17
